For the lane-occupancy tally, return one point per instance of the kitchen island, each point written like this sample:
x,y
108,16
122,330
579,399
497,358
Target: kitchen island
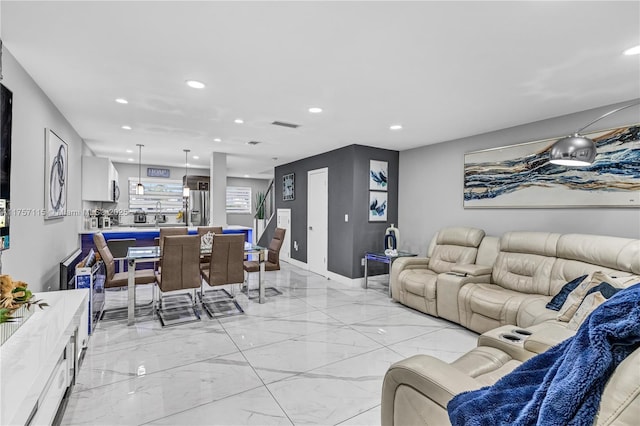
x,y
148,235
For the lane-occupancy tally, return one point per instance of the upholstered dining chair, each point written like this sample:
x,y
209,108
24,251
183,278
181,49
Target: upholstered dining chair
x,y
180,271
166,232
119,248
206,234
119,279
272,262
227,256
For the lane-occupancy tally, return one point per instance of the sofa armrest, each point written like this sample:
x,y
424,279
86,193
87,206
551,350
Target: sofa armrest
x,y
435,379
471,269
547,335
402,263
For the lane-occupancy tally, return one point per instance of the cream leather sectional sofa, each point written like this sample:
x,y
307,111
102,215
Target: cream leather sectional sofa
x,y
484,282
502,293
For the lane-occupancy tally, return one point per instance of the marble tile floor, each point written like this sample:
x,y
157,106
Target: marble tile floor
x,y
316,354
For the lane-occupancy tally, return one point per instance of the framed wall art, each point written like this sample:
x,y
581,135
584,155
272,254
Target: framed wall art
x,y
56,174
378,175
377,206
288,187
520,176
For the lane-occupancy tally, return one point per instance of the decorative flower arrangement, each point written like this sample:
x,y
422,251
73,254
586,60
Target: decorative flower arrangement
x,y
14,295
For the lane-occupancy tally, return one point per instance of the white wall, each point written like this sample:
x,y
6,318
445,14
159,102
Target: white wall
x,y
431,183
37,246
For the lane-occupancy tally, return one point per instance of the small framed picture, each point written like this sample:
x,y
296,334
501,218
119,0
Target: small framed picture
x,y
377,206
378,175
288,187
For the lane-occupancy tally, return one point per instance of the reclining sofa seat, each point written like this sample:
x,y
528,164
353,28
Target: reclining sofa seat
x,y
521,274
532,267
417,390
579,254
413,279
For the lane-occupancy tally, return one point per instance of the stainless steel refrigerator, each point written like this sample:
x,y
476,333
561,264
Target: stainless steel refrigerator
x,y
198,208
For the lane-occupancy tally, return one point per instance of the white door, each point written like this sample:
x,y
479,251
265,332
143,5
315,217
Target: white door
x,y
284,221
317,220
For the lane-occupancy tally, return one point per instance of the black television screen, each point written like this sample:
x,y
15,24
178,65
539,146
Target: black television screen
x,y
6,100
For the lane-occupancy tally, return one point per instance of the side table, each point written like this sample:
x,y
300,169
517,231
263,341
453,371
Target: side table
x,y
382,258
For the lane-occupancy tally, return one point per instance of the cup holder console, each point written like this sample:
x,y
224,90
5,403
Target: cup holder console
x,y
511,338
522,332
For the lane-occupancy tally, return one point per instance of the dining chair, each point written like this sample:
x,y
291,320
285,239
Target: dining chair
x,y
227,256
180,271
167,232
115,279
272,262
119,248
206,234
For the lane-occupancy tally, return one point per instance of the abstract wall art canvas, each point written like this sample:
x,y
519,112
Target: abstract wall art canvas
x,y
378,175
520,176
55,174
377,206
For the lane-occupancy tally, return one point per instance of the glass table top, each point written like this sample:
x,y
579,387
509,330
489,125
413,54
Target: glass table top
x,y
143,252
152,252
371,254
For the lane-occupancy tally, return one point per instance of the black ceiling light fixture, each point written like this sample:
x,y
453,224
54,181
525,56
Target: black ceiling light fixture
x,y
185,188
139,186
577,150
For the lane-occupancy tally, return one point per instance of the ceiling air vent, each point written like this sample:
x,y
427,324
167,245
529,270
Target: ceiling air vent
x,y
253,143
285,124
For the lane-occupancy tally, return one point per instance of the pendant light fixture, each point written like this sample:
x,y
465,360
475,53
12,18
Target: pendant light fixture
x,y
139,186
185,188
576,150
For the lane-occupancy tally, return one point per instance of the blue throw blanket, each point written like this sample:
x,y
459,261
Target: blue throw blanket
x,y
563,385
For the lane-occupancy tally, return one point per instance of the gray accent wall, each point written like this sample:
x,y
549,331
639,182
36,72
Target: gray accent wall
x,y
348,180
431,184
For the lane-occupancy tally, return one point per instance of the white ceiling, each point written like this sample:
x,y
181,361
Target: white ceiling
x,y
444,70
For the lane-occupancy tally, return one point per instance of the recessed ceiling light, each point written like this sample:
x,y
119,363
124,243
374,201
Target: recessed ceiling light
x,y
635,50
195,84
246,176
126,127
130,159
195,157
238,121
129,151
122,101
217,140
315,110
395,127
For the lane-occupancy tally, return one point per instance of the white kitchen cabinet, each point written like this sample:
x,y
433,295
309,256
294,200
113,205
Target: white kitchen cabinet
x,y
99,180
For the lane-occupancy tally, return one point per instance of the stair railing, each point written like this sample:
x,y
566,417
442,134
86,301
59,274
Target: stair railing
x,y
265,210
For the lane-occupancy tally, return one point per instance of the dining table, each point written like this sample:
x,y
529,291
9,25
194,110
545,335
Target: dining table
x,y
154,254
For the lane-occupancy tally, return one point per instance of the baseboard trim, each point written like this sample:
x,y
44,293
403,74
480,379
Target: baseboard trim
x,y
297,263
350,282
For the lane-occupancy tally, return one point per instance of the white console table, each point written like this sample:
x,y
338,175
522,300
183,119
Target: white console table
x,y
40,360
